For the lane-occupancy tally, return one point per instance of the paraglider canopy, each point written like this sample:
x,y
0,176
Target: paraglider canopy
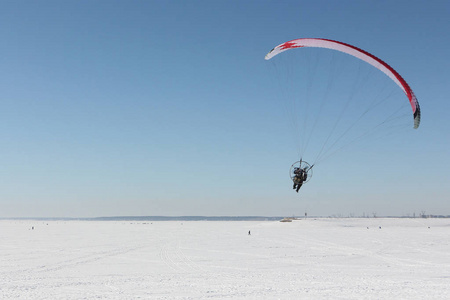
x,y
358,53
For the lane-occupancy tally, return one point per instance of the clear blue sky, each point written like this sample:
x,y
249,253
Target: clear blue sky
x,y
166,108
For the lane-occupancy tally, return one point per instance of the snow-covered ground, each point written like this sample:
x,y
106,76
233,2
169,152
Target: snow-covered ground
x,y
305,259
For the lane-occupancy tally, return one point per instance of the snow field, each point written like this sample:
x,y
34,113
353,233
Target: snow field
x,y
306,259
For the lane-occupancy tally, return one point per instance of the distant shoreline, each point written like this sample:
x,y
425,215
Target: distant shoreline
x,y
155,218
209,218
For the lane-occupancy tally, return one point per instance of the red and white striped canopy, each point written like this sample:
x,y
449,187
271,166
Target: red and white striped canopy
x,y
358,53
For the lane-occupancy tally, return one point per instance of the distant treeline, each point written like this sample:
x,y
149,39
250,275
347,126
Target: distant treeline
x,y
213,218
158,218
188,218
